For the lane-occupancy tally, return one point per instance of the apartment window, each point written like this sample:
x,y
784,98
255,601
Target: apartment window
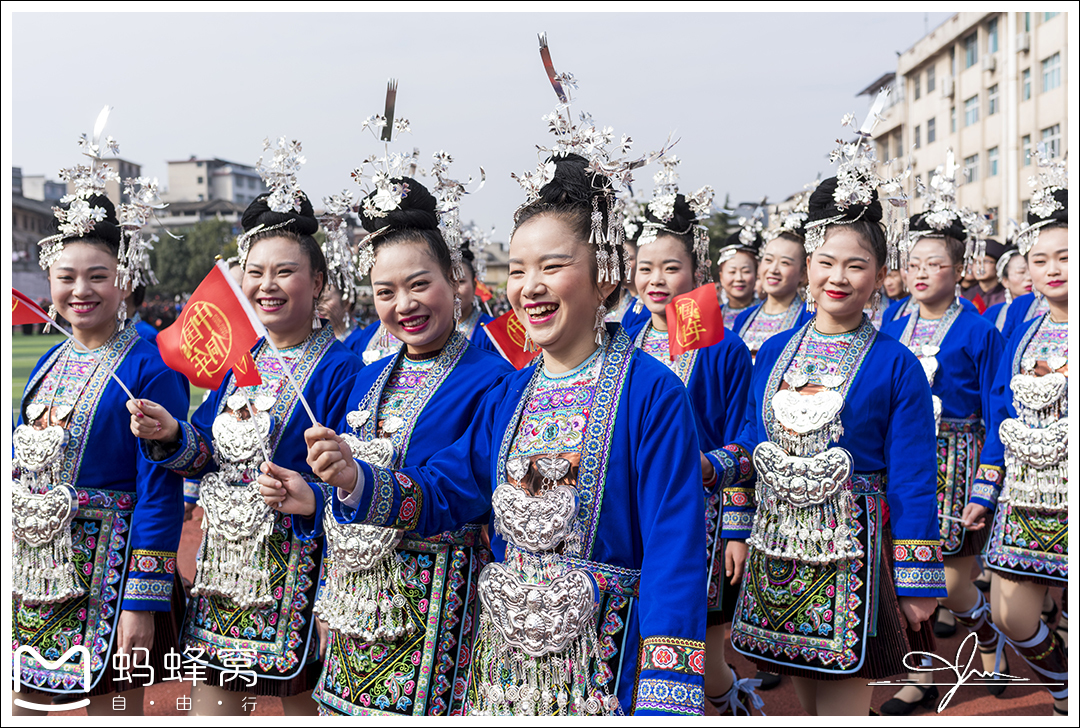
x,y
918,87
898,143
1049,16
952,119
971,168
198,164
992,218
918,137
918,185
198,180
1025,150
1051,137
971,110
971,50
1051,72
992,161
992,36
952,61
931,130
992,103
1025,84
883,148
1025,208
931,80
1027,22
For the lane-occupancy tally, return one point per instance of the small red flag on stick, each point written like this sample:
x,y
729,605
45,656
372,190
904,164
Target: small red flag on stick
x,y
694,320
508,335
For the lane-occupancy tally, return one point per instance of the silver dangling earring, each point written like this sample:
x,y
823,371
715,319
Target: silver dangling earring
x,y
875,301
52,317
601,312
528,346
316,323
1008,296
959,292
121,315
457,309
384,337
811,304
638,305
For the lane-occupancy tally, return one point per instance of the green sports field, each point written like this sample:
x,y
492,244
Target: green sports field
x,y
25,352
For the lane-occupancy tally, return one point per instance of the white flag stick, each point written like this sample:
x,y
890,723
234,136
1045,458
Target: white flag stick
x,y
76,342
256,324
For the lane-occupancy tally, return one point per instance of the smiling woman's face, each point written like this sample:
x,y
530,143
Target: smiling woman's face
x,y
82,283
279,283
413,297
843,274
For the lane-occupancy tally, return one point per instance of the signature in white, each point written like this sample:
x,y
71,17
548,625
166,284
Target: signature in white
x,y
963,674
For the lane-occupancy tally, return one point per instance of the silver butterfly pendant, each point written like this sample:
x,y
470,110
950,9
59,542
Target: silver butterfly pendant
x,y
516,468
33,411
392,424
358,418
553,469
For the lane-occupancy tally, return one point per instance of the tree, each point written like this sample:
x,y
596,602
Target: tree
x,y
719,225
180,265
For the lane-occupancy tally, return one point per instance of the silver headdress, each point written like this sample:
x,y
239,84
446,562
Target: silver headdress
x,y
383,188
477,239
941,212
285,194
662,210
340,261
586,140
84,182
449,193
792,221
858,180
135,244
748,239
1050,180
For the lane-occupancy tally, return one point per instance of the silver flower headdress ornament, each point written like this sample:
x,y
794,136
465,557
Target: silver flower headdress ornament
x,y
1050,178
285,196
857,179
662,207
793,220
340,261
750,229
477,239
382,186
941,210
586,140
449,192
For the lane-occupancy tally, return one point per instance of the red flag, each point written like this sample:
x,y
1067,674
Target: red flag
x,y
694,320
213,333
245,372
484,292
979,303
25,311
508,335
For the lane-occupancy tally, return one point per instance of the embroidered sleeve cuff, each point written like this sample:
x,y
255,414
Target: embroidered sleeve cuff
x,y
308,527
659,696
733,465
987,486
192,456
149,581
918,570
389,499
737,513
191,491
674,654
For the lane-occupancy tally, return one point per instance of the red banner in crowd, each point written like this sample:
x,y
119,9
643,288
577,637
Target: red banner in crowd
x,y
483,292
694,320
508,335
25,311
213,334
979,303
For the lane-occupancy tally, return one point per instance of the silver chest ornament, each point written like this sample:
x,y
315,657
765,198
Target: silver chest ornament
x,y
537,641
1037,441
361,596
42,512
804,485
929,362
232,562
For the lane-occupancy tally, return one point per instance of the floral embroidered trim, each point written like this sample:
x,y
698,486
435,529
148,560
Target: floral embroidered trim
x,y
412,502
670,696
918,578
382,497
737,524
673,654
913,550
148,590
987,485
738,498
193,454
191,490
153,562
736,465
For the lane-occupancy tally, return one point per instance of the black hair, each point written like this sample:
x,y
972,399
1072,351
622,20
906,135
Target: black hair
x,y
300,227
138,296
415,220
791,237
863,220
467,258
682,219
106,231
954,248
568,197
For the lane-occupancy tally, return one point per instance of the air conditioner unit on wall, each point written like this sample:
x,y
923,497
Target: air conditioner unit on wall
x,y
989,63
1023,42
947,89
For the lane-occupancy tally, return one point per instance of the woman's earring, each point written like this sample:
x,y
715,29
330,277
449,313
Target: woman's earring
x,y
384,337
875,301
959,292
457,309
638,305
52,318
121,315
601,312
528,346
316,323
811,304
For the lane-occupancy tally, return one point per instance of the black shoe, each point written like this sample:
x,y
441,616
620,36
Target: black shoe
x,y
943,629
896,706
999,687
769,680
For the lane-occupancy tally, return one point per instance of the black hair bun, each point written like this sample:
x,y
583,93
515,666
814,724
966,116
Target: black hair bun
x,y
955,230
573,183
822,205
106,230
682,217
467,254
259,213
416,210
995,249
1062,216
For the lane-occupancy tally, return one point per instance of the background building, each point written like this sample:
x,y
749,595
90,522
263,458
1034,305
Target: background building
x,y
200,180
989,86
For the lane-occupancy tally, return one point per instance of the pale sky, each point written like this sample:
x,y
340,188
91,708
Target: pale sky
x,y
756,98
